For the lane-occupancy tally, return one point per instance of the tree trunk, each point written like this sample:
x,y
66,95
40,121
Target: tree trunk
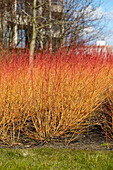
x,y
50,27
15,40
32,46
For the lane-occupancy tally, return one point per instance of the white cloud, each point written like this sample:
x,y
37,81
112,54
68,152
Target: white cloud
x,y
109,37
89,30
90,13
110,15
96,14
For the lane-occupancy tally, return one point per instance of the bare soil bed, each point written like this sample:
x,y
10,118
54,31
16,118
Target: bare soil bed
x,y
94,139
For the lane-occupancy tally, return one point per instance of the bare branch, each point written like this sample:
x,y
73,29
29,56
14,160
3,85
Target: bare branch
x,y
40,5
26,13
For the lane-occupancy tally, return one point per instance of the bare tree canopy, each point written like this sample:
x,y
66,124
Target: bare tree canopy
x,y
55,20
82,20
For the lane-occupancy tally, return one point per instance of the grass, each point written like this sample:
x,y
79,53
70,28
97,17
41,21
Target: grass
x,y
49,158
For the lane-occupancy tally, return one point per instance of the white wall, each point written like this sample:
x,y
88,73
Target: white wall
x,y
101,43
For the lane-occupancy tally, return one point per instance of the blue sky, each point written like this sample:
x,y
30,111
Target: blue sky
x,y
107,8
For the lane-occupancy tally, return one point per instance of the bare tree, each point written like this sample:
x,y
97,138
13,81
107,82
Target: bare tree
x,y
81,20
76,19
10,22
32,47
39,23
3,23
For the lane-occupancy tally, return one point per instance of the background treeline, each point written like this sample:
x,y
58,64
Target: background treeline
x,y
55,20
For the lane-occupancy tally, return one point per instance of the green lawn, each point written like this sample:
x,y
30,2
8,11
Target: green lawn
x,y
48,158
